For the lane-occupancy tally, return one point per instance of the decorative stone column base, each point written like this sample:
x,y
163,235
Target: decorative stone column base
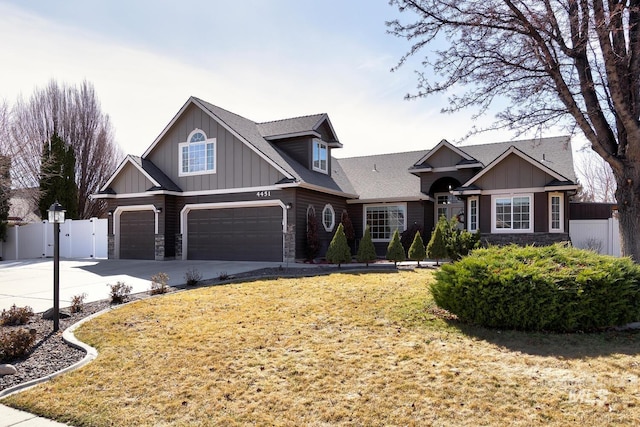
x,y
111,246
178,246
159,238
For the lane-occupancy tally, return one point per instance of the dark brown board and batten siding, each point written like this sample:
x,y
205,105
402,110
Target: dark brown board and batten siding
x,y
513,172
131,180
237,165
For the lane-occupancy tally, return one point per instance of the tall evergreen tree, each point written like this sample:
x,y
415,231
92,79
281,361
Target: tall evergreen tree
x,y
417,250
57,177
339,251
395,251
366,250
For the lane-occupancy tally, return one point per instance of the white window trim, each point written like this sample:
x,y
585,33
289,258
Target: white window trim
x,y
477,200
313,149
400,205
561,229
205,143
333,217
495,230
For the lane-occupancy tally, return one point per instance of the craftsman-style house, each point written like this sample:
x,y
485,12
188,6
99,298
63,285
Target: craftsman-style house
x,y
215,185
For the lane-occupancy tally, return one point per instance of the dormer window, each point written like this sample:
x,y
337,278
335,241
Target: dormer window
x,y
320,154
197,155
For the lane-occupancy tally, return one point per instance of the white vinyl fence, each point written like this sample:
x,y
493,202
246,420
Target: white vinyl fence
x,y
600,235
78,239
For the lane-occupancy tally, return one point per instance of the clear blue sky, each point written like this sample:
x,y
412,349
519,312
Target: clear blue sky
x,y
264,60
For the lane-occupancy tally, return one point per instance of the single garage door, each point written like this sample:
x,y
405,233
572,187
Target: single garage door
x,y
238,234
137,235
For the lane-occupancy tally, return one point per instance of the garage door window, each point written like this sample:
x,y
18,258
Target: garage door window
x,y
198,154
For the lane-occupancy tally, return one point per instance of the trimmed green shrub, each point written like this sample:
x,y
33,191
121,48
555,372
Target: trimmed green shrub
x,y
16,315
551,288
417,251
16,344
408,235
395,251
366,250
437,249
339,251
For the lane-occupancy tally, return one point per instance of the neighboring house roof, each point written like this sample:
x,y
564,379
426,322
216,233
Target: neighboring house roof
x,y
383,177
22,206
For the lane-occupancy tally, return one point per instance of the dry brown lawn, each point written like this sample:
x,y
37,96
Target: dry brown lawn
x,y
345,349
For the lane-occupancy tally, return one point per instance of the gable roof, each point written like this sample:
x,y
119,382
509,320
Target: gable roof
x,y
248,132
422,163
553,153
159,180
297,126
513,150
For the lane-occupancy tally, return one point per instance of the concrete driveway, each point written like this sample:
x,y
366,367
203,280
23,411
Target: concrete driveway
x,y
30,282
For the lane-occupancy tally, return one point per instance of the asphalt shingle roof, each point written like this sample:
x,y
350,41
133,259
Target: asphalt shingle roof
x,y
290,126
386,176
383,176
249,131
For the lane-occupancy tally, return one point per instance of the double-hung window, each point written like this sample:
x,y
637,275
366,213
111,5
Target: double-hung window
x,y
512,213
384,220
197,155
320,156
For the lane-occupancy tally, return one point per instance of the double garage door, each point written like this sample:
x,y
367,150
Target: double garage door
x,y
239,234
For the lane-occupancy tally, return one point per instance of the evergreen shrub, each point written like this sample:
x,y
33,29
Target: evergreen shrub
x,y
395,251
551,288
366,250
339,251
417,251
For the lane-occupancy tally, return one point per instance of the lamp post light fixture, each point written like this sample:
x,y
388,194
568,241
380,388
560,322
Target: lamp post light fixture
x,y
56,217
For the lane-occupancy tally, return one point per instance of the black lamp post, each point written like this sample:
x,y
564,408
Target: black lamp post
x,y
56,217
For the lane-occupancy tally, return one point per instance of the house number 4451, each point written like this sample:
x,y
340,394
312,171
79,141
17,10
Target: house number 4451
x,y
263,194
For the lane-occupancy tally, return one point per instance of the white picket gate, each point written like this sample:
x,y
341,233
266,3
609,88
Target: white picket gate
x,y
78,239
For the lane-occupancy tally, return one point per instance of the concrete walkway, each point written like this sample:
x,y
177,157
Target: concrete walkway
x,y
10,417
30,282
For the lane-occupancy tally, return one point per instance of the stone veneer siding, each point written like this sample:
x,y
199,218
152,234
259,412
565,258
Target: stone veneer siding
x,y
159,243
111,246
179,246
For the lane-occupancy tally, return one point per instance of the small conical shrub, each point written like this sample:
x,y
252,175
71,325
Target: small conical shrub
x,y
339,251
437,247
366,250
395,251
417,251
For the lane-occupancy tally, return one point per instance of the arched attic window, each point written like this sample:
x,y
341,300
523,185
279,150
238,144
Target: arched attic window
x,y
198,154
